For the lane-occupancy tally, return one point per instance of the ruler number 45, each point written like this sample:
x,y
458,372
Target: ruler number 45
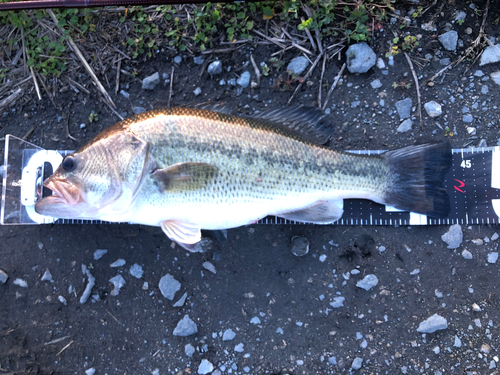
x,y
466,164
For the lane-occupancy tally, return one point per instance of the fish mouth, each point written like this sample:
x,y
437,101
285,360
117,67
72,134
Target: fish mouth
x,y
66,201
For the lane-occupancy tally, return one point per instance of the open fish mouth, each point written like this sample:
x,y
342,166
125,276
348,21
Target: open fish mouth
x,y
66,201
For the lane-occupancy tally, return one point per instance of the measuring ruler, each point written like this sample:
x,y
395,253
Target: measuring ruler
x,y
473,186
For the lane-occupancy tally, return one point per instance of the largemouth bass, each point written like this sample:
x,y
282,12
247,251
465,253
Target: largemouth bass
x,y
187,169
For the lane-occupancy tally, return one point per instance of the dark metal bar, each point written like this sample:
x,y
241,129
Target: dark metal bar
x,y
45,4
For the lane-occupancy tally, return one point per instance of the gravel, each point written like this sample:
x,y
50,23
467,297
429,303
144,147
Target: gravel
x,y
453,237
198,60
490,55
449,40
298,65
197,91
169,286
185,327
434,323
3,276
360,58
149,83
136,271
368,282
404,108
467,118
118,282
178,59
181,300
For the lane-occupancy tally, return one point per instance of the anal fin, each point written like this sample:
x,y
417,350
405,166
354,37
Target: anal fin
x,y
322,212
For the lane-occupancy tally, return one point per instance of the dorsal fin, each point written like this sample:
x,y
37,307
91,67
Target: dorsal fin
x,y
309,123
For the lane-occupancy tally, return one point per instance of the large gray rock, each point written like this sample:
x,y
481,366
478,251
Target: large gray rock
x,y
449,40
360,58
405,126
490,55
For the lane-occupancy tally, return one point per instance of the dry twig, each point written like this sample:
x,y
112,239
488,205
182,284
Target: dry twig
x,y
11,98
171,83
63,349
333,86
256,69
419,108
36,83
321,80
305,78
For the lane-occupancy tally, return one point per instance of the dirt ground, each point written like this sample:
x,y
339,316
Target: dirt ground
x,y
277,304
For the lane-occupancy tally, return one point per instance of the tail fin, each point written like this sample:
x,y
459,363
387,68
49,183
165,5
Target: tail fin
x,y
418,179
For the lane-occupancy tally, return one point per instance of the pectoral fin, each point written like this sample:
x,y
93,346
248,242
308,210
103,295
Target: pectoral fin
x,y
185,176
323,212
185,234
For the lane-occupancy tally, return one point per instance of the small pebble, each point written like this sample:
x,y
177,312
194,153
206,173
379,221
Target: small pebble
x,y
492,257
118,263
434,323
214,68
185,327
228,335
357,363
209,267
368,282
90,371
300,246
189,350
244,79
205,367
239,348
125,94
98,254
136,271
433,109
138,110
149,83
47,276
197,91
22,283
177,59
3,276
453,237
458,342
62,300
169,286
198,60
376,84
337,302
118,282
495,236
255,320
181,300
298,65
467,254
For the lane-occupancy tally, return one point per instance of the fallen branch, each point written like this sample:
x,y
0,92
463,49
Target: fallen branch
x,y
333,86
419,108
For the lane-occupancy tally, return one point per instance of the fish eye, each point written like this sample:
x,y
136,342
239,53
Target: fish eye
x,y
68,163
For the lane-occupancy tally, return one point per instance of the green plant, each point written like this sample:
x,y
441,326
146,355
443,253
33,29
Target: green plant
x,y
93,117
401,85
418,12
460,21
410,43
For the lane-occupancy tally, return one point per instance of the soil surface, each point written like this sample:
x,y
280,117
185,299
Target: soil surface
x,y
278,305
